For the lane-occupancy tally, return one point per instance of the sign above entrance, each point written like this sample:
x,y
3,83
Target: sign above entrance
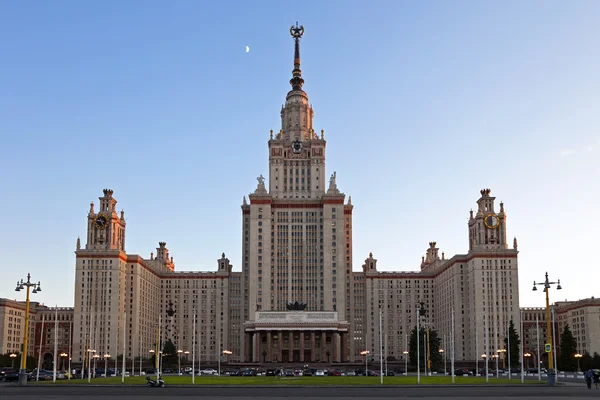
x,y
320,317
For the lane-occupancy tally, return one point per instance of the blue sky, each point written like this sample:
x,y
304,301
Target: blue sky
x,y
423,104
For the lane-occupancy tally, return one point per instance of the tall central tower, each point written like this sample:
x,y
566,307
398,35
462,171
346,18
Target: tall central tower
x,y
297,235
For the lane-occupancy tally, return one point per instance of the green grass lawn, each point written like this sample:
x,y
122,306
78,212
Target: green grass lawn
x,y
308,380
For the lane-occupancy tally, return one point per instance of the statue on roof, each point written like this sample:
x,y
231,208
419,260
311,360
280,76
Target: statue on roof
x,y
296,306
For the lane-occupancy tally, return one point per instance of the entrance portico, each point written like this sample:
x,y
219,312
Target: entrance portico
x,y
296,336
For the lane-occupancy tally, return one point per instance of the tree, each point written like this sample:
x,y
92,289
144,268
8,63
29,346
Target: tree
x,y
586,361
568,349
434,348
169,352
596,360
515,346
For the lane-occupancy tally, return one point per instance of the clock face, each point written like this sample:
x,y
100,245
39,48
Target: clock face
x,y
491,221
297,146
101,221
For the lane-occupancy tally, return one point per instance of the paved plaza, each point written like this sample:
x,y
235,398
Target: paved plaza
x,y
316,393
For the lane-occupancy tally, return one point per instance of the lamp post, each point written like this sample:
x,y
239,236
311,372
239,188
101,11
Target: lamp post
x,y
484,356
495,356
186,355
96,357
503,351
63,356
106,357
13,356
366,354
578,356
548,347
527,355
179,361
405,352
444,354
225,353
36,288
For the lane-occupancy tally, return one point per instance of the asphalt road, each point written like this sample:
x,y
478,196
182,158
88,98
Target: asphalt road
x,y
316,393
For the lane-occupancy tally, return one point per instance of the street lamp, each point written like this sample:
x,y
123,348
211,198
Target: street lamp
x,y
405,352
527,355
62,356
36,288
225,353
503,351
578,356
444,353
366,354
13,356
547,284
106,357
179,361
484,356
495,356
96,357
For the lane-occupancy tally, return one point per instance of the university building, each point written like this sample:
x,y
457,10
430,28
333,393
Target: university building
x,y
297,297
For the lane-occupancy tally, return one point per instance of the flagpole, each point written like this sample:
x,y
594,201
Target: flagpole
x,y
554,345
537,328
200,347
42,341
476,351
55,341
89,353
70,349
194,349
452,360
418,366
487,344
521,349
123,361
508,341
140,348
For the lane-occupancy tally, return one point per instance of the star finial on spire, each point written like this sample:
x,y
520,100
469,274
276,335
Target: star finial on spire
x,y
297,80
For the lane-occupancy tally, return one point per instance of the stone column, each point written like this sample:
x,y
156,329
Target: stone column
x,y
323,346
334,347
302,346
279,346
313,350
291,346
255,347
269,347
338,350
246,347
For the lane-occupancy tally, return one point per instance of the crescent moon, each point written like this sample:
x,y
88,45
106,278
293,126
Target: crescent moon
x,y
247,49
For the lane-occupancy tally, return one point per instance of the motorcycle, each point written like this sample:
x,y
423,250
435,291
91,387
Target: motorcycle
x,y
153,383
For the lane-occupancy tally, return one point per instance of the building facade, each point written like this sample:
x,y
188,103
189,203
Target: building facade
x,y
583,318
44,321
297,297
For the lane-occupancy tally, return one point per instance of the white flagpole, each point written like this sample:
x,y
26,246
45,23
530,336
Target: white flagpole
x,y
158,371
521,349
508,342
141,356
89,353
537,327
554,345
42,341
487,344
70,340
418,356
380,351
194,349
200,347
123,361
55,340
452,360
476,351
